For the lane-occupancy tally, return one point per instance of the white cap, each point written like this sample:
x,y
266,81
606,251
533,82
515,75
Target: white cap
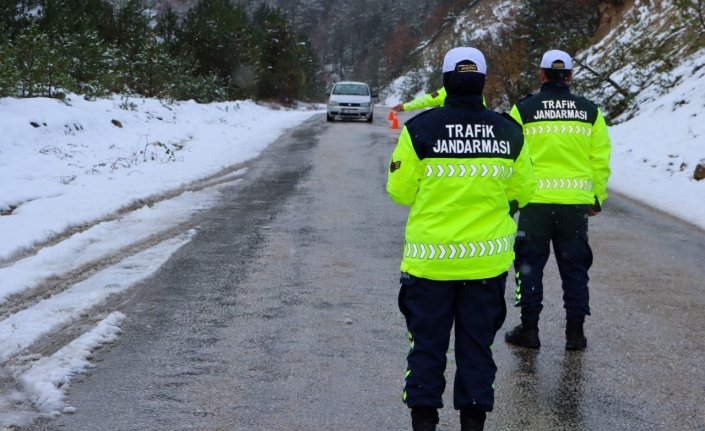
x,y
556,59
456,55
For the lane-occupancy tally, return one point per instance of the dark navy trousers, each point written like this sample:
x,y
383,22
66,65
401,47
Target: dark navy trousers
x,y
477,308
566,226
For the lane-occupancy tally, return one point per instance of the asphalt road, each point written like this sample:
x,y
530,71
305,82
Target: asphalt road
x,y
282,315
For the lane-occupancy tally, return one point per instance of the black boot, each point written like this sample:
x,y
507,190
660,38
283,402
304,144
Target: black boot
x,y
574,335
472,419
424,418
525,335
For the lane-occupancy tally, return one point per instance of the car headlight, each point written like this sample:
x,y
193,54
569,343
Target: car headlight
x,y
365,105
332,103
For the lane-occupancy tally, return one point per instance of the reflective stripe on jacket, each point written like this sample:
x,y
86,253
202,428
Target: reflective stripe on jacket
x,y
568,143
458,167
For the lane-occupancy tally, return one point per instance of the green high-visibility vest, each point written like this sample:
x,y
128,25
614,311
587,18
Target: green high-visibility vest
x,y
458,167
569,145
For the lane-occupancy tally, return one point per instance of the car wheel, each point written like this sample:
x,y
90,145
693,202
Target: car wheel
x,y
328,117
369,119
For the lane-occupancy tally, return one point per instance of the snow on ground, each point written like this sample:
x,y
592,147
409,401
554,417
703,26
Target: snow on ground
x,y
78,166
86,182
105,188
394,91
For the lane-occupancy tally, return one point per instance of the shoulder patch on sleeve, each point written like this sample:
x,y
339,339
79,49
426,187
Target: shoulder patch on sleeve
x,y
434,94
394,165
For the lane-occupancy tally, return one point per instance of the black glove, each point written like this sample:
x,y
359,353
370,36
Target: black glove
x,y
595,208
513,208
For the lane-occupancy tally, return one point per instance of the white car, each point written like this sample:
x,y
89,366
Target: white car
x,y
350,100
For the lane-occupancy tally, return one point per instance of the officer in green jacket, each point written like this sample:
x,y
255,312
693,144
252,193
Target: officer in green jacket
x,y
458,167
570,149
430,100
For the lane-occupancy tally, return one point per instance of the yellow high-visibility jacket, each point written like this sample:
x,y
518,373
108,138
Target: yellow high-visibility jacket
x,y
568,143
458,167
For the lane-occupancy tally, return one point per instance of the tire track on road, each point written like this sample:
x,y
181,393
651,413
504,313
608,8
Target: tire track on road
x,y
14,364
226,175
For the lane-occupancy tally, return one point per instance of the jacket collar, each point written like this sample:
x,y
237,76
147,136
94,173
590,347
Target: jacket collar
x,y
470,102
556,87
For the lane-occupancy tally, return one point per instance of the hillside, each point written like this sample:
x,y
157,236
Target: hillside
x,y
485,23
512,35
634,46
640,52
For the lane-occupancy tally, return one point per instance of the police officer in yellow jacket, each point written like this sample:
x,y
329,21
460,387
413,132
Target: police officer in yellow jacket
x,y
429,100
570,149
458,167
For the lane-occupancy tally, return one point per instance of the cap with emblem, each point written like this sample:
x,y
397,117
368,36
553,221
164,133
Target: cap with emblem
x,y
471,60
464,71
556,60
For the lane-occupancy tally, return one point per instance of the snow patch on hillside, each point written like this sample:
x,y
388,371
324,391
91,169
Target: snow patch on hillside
x,y
655,153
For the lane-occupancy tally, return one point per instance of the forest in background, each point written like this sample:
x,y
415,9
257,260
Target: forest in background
x,y
216,50
288,50
366,40
378,40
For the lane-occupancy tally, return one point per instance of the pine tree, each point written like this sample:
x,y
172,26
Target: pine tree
x,y
692,13
312,86
40,67
16,15
548,24
168,29
90,70
219,35
277,76
66,17
9,75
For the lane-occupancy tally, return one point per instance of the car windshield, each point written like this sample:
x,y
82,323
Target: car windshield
x,y
351,90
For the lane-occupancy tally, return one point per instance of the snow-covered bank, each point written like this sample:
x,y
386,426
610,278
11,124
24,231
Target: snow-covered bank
x,y
654,154
85,183
63,165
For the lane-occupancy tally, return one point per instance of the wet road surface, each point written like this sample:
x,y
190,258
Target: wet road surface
x,y
281,315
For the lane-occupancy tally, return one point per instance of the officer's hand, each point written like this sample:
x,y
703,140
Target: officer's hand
x,y
398,108
595,208
513,208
